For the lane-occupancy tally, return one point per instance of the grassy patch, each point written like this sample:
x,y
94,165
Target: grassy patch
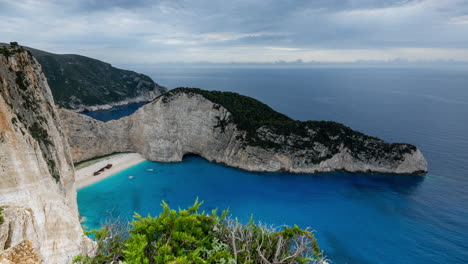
x,y
1,216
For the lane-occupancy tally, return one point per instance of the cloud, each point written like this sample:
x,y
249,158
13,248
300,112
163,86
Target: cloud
x,y
459,20
144,31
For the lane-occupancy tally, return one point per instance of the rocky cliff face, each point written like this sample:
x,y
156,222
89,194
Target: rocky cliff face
x,y
23,253
185,121
36,172
89,138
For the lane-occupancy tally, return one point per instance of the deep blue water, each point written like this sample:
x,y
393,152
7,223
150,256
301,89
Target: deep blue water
x,y
358,218
115,112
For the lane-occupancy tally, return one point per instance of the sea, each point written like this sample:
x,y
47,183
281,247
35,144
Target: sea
x,y
357,218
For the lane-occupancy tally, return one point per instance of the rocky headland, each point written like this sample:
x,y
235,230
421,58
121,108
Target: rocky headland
x,y
238,131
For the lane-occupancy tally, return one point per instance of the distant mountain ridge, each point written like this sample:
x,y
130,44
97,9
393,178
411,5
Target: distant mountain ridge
x,y
82,83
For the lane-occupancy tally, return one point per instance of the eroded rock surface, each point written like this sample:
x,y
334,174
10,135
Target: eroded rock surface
x,y
185,121
22,253
36,171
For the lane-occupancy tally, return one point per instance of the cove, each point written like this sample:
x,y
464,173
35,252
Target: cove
x,y
373,217
358,218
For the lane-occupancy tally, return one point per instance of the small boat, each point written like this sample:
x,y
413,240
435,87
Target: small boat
x,y
130,177
150,170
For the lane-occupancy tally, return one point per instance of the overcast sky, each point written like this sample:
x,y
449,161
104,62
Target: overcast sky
x,y
146,32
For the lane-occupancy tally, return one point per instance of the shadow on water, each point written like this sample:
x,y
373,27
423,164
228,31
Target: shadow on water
x,y
135,198
340,253
401,184
164,192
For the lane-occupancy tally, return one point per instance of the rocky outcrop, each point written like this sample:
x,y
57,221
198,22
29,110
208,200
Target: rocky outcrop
x,y
36,171
249,135
90,138
18,224
23,253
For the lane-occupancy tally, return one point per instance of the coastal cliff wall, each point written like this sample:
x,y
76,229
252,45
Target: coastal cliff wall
x,y
90,138
184,121
37,190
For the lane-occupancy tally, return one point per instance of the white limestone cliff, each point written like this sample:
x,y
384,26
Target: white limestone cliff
x,y
168,128
36,172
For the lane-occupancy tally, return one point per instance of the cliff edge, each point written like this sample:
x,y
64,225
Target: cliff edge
x,y
37,191
238,131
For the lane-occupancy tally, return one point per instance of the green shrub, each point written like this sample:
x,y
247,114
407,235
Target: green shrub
x,y
5,51
11,50
176,235
1,216
193,237
134,251
110,240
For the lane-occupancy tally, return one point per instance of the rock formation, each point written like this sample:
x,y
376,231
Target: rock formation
x,y
237,131
22,253
37,190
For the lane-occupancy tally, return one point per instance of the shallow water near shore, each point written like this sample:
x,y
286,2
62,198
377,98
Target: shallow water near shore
x,y
358,218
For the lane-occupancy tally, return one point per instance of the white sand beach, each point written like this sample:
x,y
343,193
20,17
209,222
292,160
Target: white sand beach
x,y
121,161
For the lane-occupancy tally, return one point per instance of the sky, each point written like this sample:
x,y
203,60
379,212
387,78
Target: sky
x,y
149,32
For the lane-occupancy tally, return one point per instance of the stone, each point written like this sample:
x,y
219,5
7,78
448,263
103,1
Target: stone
x,y
36,171
166,130
22,253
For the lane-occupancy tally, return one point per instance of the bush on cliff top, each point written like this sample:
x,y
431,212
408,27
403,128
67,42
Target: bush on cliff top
x,y
249,114
11,50
189,236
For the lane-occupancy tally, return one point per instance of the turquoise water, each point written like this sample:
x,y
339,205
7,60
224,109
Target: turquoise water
x,y
358,218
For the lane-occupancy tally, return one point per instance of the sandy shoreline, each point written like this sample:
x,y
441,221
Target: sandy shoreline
x,y
84,174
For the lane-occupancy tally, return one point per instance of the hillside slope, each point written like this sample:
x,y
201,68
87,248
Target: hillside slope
x,y
81,82
78,82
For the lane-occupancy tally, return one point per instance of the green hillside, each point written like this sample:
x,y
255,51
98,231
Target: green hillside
x,y
79,80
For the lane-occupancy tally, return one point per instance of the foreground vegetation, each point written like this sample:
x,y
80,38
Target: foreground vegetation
x,y
190,236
